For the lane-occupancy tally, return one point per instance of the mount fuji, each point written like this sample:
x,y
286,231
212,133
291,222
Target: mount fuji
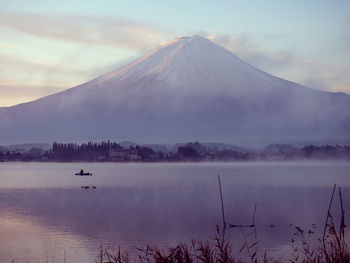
x,y
189,89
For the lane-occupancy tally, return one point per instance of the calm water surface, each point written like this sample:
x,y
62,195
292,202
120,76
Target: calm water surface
x,y
45,215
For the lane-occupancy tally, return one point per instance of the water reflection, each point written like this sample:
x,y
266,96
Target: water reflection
x,y
26,239
160,205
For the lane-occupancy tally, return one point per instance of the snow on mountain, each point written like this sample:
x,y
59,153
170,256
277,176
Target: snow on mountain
x,y
189,89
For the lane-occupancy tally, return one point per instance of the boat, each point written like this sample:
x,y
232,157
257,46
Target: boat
x,y
81,173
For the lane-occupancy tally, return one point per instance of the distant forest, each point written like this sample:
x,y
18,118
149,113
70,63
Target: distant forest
x,y
195,152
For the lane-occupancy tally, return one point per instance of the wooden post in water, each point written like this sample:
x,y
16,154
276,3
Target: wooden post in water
x,y
222,210
328,214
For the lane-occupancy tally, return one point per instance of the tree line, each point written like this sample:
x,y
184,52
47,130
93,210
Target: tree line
x,y
107,151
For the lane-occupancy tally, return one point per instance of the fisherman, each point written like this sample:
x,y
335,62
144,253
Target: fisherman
x,y
81,171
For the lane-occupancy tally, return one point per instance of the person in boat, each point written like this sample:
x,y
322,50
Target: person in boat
x,y
81,171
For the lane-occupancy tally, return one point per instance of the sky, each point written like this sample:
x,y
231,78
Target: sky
x,y
48,46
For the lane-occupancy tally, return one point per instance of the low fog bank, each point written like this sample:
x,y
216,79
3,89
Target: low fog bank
x,y
126,151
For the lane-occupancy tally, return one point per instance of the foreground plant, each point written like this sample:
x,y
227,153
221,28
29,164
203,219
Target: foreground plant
x,y
332,247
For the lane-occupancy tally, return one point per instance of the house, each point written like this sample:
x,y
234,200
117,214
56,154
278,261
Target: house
x,y
119,155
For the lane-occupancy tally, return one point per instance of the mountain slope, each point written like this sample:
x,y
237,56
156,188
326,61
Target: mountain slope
x,y
190,89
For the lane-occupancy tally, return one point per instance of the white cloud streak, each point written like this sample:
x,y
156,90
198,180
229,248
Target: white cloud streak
x,y
85,29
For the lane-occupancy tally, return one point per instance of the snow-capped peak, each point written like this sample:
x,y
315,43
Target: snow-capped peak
x,y
187,60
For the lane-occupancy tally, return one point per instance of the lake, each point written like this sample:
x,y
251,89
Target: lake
x,y
46,215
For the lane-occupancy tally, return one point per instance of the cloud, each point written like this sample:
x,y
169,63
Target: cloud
x,y
288,64
85,29
42,65
327,76
8,46
23,79
244,46
345,89
12,94
86,48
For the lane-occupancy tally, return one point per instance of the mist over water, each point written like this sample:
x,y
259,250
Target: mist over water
x,y
44,212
